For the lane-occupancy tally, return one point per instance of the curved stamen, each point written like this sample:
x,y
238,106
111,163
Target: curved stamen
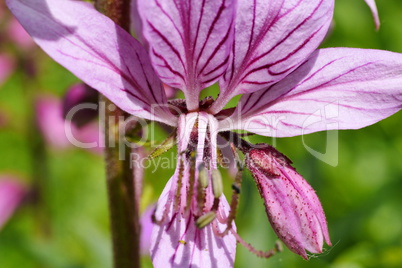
x,y
235,195
259,253
233,205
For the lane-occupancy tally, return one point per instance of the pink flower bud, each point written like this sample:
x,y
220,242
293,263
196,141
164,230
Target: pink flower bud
x,y
291,204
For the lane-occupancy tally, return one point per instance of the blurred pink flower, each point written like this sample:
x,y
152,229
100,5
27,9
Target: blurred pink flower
x,y
12,193
3,119
146,230
18,35
80,94
61,133
7,66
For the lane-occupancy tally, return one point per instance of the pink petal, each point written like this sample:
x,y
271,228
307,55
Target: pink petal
x,y
62,134
374,11
136,24
170,91
189,41
80,94
146,230
51,121
97,51
337,88
292,206
92,136
11,194
272,38
179,243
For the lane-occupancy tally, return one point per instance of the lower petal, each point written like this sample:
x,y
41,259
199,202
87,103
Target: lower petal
x,y
177,242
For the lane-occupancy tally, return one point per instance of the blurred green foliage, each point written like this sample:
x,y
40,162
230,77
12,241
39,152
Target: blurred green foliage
x,y
362,194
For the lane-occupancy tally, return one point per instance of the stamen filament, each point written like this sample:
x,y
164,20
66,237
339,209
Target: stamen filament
x,y
233,204
177,198
259,253
190,192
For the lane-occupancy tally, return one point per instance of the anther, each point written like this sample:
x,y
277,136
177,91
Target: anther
x,y
217,186
202,175
205,219
201,187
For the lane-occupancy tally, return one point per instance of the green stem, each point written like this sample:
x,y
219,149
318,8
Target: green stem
x,y
124,210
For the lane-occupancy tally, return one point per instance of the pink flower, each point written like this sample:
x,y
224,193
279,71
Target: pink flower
x,y
18,35
146,230
11,194
76,95
265,51
6,67
62,134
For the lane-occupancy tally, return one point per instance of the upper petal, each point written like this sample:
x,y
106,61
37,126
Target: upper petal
x,y
189,41
97,51
272,38
337,88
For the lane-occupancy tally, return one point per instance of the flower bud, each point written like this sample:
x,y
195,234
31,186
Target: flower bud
x,y
292,206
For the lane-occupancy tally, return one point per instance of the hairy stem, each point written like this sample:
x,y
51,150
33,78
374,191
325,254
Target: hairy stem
x,y
124,210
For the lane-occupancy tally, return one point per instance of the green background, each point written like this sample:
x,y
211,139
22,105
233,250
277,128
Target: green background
x,y
361,195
